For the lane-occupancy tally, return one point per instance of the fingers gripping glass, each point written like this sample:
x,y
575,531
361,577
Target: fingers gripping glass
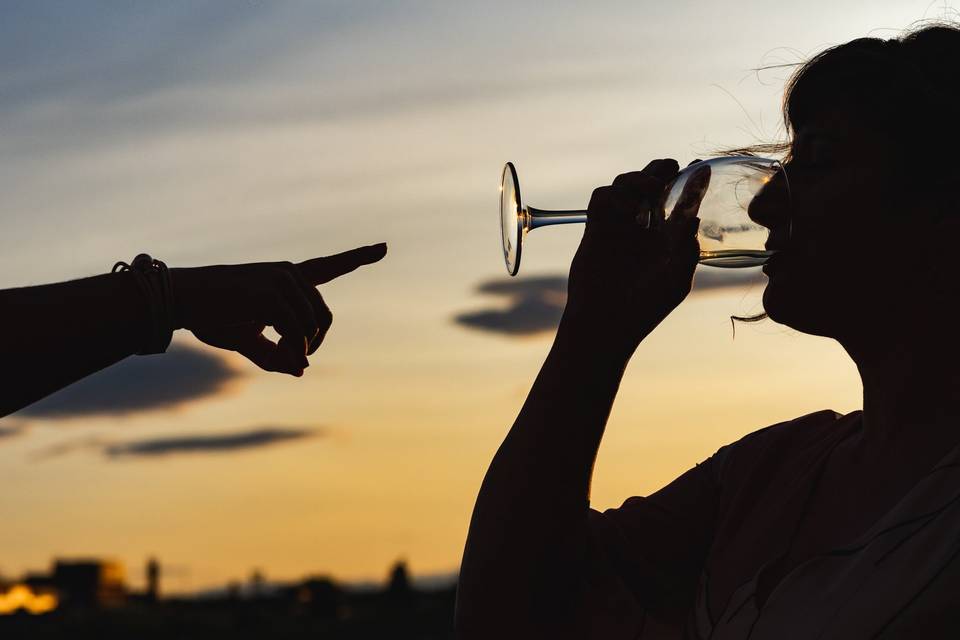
x,y
718,191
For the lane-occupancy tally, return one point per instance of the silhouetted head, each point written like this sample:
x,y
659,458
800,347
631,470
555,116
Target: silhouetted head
x,y
868,236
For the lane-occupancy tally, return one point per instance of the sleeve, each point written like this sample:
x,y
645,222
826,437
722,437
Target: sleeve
x,y
646,557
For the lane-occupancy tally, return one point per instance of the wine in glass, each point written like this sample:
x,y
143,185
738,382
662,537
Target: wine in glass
x,y
718,191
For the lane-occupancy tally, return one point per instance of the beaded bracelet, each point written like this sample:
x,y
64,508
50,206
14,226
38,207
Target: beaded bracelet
x,y
153,279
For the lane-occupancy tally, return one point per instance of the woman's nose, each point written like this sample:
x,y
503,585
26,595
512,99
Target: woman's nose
x,y
770,206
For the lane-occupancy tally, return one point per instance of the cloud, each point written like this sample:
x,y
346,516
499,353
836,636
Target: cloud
x,y
183,374
218,443
63,448
534,305
182,444
9,431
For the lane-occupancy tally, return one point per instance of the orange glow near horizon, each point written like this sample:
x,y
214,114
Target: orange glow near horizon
x,y
21,597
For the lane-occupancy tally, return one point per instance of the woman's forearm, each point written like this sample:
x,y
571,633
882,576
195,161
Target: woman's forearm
x,y
529,523
56,334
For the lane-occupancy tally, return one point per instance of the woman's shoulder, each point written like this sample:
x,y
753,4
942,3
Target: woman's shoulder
x,y
807,429
782,442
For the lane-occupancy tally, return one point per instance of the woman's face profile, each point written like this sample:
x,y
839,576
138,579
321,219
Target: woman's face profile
x,y
832,218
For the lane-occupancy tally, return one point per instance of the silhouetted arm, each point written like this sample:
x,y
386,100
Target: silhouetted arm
x,y
524,568
55,334
523,560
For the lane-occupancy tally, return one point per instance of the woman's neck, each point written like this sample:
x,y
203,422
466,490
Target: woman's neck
x,y
910,391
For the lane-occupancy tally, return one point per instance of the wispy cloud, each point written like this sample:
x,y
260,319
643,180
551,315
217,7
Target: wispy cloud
x,y
219,443
63,448
11,430
534,305
183,374
183,444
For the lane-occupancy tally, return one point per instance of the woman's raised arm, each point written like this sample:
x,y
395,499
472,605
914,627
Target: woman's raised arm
x,y
523,567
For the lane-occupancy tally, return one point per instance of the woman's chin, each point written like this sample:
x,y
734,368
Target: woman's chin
x,y
777,300
772,304
789,306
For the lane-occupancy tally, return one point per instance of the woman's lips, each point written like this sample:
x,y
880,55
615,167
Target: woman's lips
x,y
773,263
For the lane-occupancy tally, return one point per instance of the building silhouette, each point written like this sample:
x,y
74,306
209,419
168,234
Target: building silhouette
x,y
83,583
152,593
399,582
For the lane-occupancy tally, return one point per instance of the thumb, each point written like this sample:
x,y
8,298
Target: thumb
x,y
326,268
684,253
694,190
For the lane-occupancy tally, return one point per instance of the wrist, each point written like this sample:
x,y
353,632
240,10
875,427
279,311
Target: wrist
x,y
152,278
589,341
180,295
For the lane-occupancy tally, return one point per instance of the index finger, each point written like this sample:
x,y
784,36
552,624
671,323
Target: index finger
x,y
326,268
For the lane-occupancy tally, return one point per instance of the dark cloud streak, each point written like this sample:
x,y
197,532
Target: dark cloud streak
x,y
182,444
10,431
219,443
181,375
534,305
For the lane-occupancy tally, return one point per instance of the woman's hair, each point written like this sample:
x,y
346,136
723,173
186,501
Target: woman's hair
x,y
908,87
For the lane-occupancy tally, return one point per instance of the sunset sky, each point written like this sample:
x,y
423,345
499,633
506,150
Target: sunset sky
x,y
227,132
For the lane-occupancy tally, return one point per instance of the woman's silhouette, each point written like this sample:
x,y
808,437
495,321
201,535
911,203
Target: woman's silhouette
x,y
826,526
56,334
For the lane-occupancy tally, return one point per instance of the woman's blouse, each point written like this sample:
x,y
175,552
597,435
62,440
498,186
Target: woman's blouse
x,y
698,559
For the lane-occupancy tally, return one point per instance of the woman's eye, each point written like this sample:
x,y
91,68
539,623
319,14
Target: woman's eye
x,y
798,162
811,160
811,154
819,154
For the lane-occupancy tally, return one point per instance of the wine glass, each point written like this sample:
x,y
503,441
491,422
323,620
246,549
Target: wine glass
x,y
718,191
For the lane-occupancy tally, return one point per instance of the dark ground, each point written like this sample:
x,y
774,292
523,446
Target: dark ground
x,y
414,614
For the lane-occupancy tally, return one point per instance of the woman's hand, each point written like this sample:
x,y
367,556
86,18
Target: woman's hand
x,y
626,278
229,306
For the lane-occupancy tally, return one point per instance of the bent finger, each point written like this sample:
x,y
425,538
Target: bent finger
x,y
614,206
280,315
321,312
299,302
664,168
269,356
640,181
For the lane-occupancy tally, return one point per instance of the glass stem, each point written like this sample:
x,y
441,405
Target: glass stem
x,y
536,218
